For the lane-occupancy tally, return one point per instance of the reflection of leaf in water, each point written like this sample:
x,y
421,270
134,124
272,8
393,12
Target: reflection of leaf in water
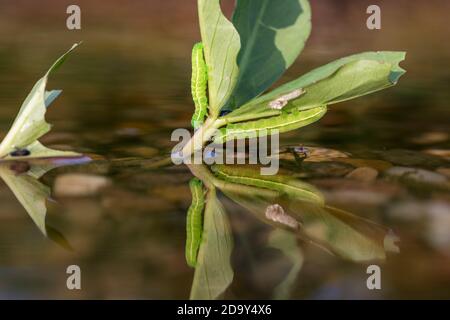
x,y
58,237
31,194
213,273
286,242
22,179
341,232
336,231
37,171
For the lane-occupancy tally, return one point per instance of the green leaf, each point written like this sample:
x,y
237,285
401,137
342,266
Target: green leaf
x,y
284,122
337,81
272,33
337,231
30,123
221,47
350,81
213,272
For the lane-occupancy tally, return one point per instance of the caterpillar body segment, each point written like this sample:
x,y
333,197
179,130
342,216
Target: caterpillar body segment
x,y
199,84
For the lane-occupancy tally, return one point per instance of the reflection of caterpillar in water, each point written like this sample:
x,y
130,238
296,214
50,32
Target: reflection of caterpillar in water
x,y
194,223
199,82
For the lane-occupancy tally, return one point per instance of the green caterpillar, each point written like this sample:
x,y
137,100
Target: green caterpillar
x,y
199,82
194,223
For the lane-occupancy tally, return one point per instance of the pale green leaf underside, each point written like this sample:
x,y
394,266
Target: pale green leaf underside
x,y
213,273
343,79
221,46
31,194
284,122
30,123
272,34
337,231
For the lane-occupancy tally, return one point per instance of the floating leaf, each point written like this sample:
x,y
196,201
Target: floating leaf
x,y
284,122
30,123
194,222
221,47
272,33
213,273
337,81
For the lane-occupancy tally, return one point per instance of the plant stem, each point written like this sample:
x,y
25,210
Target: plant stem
x,y
202,172
201,136
209,128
